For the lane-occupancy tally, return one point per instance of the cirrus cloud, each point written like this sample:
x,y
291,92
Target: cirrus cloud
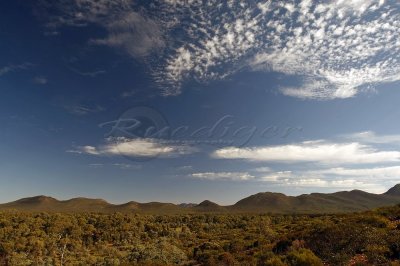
x,y
336,48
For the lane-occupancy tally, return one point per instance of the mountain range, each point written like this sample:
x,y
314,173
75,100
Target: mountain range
x,y
266,202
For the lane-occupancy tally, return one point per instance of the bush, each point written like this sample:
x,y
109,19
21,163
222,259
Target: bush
x,y
303,257
275,261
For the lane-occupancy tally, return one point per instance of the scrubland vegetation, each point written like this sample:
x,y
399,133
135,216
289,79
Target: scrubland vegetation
x,y
368,238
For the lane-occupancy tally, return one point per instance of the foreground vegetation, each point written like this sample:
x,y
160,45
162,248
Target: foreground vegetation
x,y
369,238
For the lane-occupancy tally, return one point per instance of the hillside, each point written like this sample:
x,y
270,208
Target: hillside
x,y
394,191
344,201
79,205
209,206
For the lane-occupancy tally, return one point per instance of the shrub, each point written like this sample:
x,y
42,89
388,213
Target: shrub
x,y
275,261
303,257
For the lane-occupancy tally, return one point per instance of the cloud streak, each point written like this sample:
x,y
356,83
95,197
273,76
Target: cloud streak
x,y
14,68
334,178
375,172
135,148
232,176
311,151
370,178
372,137
81,110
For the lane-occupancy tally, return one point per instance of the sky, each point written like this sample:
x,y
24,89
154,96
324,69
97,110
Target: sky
x,y
186,100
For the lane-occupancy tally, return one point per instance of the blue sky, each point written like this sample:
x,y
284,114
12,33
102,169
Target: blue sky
x,y
181,101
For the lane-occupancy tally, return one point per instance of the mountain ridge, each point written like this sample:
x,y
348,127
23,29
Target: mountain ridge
x,y
394,190
263,202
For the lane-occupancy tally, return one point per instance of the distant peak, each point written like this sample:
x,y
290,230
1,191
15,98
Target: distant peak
x,y
87,200
395,191
207,203
132,203
37,199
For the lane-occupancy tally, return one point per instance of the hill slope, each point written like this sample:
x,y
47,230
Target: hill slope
x,y
48,204
209,206
344,201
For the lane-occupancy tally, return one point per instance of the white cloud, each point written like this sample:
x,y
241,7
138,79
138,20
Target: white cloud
x,y
135,148
275,176
316,88
392,172
123,166
234,176
372,137
85,150
357,6
369,179
126,166
337,48
317,151
325,164
341,48
307,182
338,184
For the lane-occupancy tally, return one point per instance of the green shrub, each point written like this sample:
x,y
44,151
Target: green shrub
x,y
303,257
275,261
